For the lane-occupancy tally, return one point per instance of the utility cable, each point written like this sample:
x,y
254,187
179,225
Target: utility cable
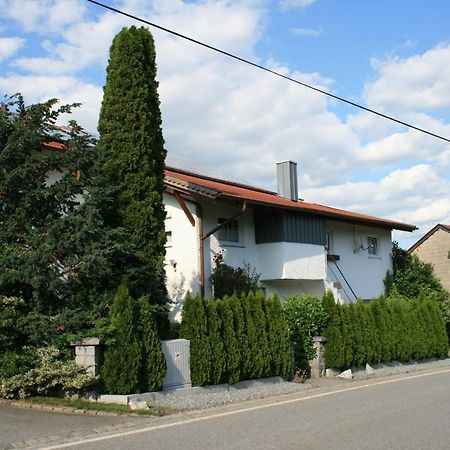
x,y
273,72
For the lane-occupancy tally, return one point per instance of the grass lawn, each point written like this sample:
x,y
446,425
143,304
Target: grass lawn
x,y
95,406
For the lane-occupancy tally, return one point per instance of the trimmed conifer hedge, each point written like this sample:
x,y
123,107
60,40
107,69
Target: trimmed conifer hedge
x,y
235,338
383,330
134,361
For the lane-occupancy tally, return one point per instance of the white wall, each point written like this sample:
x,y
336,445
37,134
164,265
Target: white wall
x,y
364,272
182,262
286,268
291,261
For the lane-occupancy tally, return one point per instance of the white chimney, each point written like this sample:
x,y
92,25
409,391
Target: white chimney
x,y
287,186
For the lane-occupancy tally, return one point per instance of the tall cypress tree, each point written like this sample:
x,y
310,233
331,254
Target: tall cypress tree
x,y
194,326
153,367
123,359
132,147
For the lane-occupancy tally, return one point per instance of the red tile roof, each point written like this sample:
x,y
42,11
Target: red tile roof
x,y
53,145
216,188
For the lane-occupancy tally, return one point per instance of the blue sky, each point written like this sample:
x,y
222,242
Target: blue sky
x,y
389,56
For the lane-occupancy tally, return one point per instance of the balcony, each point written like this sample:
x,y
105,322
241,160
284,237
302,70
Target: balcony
x,y
291,261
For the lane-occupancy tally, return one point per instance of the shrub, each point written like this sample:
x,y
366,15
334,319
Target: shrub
x,y
231,344
227,280
153,367
306,317
123,357
384,330
216,343
334,353
194,327
240,333
278,338
238,338
411,277
49,375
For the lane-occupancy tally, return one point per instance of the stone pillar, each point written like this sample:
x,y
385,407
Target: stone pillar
x,y
318,363
88,354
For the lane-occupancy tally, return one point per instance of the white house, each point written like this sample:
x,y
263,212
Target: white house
x,y
296,246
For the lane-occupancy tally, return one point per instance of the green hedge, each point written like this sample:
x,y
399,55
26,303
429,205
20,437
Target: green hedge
x,y
134,361
306,317
235,338
383,330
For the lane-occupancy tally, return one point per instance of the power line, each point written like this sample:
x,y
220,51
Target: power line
x,y
273,72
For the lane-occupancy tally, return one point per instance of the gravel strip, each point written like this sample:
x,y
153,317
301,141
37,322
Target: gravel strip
x,y
201,398
210,396
396,368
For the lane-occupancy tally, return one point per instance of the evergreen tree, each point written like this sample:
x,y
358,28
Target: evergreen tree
x,y
278,338
216,343
153,367
123,356
410,276
194,326
253,359
57,250
334,355
383,330
230,342
349,335
132,147
241,334
391,331
262,330
441,337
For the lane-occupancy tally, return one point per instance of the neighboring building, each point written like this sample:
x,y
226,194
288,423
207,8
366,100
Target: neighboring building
x,y
434,248
296,246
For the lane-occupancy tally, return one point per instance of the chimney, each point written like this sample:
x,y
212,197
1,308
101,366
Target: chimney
x,y
287,186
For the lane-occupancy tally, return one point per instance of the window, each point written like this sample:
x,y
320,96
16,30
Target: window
x,y
372,244
230,231
168,238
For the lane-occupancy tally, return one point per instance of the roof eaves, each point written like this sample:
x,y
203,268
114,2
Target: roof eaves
x,y
190,187
439,226
333,213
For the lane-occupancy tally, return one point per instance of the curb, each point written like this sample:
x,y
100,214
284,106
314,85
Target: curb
x,y
61,409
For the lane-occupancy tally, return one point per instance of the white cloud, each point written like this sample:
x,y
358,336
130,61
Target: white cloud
x,y
43,16
418,83
9,46
307,32
67,89
415,195
293,4
239,120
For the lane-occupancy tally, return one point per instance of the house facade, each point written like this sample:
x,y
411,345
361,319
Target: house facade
x,y
295,246
434,248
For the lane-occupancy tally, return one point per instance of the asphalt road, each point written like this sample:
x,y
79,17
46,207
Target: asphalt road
x,y
18,424
402,412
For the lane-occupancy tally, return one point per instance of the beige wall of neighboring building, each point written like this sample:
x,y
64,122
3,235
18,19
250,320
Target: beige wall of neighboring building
x,y
435,250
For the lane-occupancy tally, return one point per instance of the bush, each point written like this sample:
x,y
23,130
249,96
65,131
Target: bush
x,y
384,330
278,337
153,367
48,376
306,317
232,345
227,280
194,327
411,278
238,338
123,358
